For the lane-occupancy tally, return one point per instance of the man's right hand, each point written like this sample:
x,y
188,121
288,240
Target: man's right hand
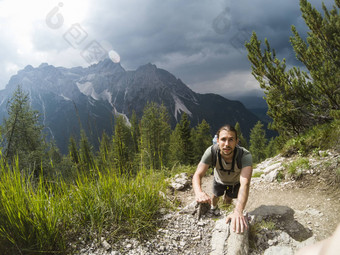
x,y
203,197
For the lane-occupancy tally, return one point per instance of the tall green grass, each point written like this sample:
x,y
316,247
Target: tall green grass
x,y
43,217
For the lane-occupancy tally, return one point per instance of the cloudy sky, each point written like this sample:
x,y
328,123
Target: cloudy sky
x,y
199,41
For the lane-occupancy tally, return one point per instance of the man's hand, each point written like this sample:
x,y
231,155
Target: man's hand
x,y
238,221
202,197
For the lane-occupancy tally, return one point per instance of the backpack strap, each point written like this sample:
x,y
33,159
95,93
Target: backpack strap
x,y
215,154
239,151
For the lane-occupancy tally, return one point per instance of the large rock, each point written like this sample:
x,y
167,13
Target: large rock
x,y
180,181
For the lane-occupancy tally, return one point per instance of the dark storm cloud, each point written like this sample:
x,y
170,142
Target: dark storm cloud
x,y
200,42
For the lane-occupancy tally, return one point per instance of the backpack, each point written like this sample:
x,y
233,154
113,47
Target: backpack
x,y
215,154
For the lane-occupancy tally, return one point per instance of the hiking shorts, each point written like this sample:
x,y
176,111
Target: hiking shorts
x,y
230,190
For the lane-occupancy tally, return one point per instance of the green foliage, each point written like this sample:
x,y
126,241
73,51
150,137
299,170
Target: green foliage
x,y
185,140
155,134
201,140
272,148
135,132
73,151
32,218
85,151
258,142
296,99
243,141
320,137
40,217
295,169
280,176
123,146
257,174
22,133
257,228
181,143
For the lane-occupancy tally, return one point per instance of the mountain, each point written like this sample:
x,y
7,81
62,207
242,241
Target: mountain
x,y
89,98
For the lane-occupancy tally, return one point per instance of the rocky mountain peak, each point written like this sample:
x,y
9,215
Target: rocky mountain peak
x,y
73,98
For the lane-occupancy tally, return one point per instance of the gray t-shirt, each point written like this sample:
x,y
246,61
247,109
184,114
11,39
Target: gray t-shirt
x,y
224,177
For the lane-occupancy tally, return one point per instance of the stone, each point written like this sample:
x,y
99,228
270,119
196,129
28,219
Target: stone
x,y
180,181
279,250
237,243
276,166
219,236
271,176
106,245
313,212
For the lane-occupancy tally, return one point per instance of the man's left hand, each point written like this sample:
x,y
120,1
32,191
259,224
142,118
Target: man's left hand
x,y
238,221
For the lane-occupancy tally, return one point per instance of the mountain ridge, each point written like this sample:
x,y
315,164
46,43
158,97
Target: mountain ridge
x,y
70,99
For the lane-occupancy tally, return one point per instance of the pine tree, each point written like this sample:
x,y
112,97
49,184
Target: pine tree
x,y
185,140
73,150
122,145
22,133
175,147
85,151
155,135
258,142
135,132
243,141
201,139
297,99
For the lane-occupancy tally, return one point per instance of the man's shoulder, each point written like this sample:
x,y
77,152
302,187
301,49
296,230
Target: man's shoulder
x,y
246,158
244,151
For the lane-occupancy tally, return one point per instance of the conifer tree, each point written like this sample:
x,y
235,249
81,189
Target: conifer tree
x,y
155,135
73,151
242,141
297,99
258,142
175,146
85,150
22,133
201,140
122,145
185,141
135,132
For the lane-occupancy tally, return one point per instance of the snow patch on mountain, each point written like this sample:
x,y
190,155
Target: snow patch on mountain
x,y
106,95
179,106
88,90
127,121
65,98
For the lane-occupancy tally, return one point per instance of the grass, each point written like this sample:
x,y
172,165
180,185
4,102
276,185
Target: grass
x,y
256,229
295,169
41,217
257,174
321,137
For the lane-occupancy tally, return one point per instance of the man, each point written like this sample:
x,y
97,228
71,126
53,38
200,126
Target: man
x,y
229,179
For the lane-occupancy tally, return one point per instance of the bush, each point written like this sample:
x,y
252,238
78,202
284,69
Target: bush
x,y
321,137
41,217
295,169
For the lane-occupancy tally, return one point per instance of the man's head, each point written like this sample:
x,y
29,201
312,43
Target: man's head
x,y
227,140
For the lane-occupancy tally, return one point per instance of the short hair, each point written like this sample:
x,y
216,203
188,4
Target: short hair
x,y
227,128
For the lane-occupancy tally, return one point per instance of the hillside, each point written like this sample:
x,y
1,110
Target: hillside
x,y
70,99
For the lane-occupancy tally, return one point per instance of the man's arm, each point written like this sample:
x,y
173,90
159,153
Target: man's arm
x,y
200,195
238,222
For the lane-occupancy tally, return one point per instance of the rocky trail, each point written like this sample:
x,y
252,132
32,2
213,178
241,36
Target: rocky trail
x,y
284,216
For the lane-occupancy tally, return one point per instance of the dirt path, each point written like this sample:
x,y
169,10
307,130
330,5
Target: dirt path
x,y
316,207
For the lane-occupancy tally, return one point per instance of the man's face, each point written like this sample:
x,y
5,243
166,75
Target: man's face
x,y
227,142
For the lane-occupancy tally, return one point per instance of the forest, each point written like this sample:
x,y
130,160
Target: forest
x,y
49,200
